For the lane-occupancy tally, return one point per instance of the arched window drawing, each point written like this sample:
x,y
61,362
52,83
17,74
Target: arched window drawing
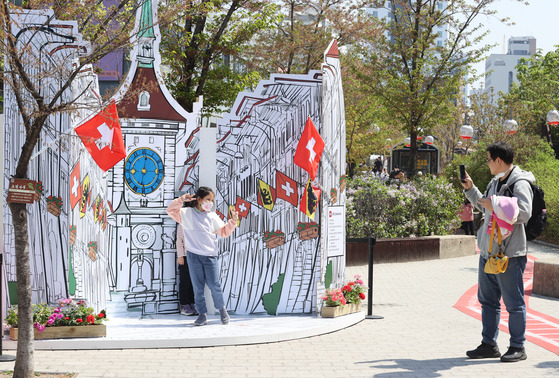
x,y
143,101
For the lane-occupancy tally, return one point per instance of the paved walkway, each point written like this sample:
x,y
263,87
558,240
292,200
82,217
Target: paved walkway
x,y
422,335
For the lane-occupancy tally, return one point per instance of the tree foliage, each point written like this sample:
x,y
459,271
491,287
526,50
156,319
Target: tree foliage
x,y
536,93
203,44
302,31
417,80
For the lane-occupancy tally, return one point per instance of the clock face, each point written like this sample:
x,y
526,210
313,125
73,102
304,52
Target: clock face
x,y
143,171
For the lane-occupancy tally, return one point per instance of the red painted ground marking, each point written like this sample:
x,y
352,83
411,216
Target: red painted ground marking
x,y
541,329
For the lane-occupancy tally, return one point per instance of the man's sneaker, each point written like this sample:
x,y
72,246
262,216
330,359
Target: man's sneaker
x,y
514,354
189,310
183,310
202,320
484,351
224,315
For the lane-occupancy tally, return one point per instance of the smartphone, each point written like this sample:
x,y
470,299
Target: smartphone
x,y
462,173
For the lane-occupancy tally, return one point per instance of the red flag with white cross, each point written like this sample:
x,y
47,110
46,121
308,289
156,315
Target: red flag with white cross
x,y
75,186
102,137
286,188
242,207
309,150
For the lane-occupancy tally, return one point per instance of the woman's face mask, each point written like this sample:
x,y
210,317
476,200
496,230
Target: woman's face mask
x,y
206,206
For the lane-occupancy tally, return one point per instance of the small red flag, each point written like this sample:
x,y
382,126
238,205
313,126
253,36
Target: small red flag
x,y
242,207
286,188
75,186
309,150
102,137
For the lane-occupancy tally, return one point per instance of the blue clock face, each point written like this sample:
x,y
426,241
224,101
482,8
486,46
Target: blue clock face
x,y
143,171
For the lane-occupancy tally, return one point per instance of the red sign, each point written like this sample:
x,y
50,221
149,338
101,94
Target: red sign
x,y
21,191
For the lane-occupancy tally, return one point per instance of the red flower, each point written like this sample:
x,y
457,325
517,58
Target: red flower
x,y
67,318
101,315
351,283
91,319
361,296
79,320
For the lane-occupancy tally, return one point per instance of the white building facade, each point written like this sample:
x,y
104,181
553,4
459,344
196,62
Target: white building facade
x,y
500,69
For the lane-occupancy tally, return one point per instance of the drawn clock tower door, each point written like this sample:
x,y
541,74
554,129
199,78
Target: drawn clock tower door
x,y
144,182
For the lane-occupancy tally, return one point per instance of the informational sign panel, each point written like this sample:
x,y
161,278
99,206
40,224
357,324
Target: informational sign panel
x,y
21,191
336,228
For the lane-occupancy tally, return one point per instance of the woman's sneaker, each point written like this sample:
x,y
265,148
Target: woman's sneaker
x,y
202,320
224,315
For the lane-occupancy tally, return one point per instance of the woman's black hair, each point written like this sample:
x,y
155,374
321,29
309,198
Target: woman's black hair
x,y
202,192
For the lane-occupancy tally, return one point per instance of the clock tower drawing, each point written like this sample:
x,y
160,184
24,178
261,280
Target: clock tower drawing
x,y
154,127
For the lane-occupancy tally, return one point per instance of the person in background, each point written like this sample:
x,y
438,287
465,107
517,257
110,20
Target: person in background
x,y
467,217
201,226
186,291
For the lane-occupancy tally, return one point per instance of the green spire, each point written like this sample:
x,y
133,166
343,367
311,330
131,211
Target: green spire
x,y
146,21
146,36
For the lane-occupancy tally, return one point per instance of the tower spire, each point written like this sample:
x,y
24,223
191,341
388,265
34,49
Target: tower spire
x,y
146,36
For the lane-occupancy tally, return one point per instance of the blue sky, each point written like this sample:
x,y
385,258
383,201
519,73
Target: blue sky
x,y
540,20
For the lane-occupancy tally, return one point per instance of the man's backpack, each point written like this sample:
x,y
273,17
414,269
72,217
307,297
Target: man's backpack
x,y
536,224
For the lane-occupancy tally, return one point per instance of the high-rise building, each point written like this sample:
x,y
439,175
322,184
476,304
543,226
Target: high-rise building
x,y
500,69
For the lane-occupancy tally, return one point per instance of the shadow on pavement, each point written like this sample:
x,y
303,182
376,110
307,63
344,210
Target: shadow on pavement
x,y
432,368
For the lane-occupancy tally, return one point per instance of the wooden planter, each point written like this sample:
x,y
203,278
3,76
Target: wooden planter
x,y
309,233
334,198
66,332
72,237
275,241
92,253
53,209
333,312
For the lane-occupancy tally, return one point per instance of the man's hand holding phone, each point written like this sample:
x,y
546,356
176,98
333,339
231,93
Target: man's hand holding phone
x,y
465,178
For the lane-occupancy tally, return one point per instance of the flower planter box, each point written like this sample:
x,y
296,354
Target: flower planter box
x,y
92,253
309,233
335,311
53,209
66,332
72,237
275,241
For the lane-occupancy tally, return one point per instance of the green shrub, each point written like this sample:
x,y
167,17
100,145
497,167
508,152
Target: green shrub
x,y
414,208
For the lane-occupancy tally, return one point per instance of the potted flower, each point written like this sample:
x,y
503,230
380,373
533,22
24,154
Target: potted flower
x,y
68,319
334,195
38,190
92,250
54,205
274,239
307,230
73,233
344,300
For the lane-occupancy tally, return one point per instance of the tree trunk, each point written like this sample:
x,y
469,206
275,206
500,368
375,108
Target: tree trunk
x,y
24,366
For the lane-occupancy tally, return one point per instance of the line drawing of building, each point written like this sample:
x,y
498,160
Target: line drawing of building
x,y
113,240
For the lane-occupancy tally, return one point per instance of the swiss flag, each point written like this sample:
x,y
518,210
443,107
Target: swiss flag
x,y
242,207
102,137
309,150
75,186
286,188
